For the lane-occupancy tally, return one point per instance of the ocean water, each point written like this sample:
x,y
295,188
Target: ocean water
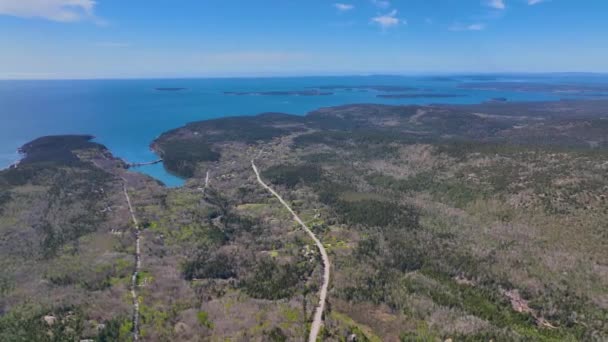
x,y
126,115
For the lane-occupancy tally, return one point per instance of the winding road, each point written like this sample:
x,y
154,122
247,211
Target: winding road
x,y
318,318
137,264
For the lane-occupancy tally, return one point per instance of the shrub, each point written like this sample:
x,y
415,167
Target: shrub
x,y
219,266
181,157
203,319
291,175
270,280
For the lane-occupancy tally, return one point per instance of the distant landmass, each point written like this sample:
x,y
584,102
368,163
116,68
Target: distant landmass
x,y
457,78
536,87
420,95
480,78
280,93
170,89
384,88
443,79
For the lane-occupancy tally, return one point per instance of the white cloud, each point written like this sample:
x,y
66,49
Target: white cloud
x,y
381,3
56,10
499,4
388,20
343,7
476,27
470,27
535,2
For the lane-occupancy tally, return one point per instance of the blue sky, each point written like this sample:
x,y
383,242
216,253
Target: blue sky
x,y
198,38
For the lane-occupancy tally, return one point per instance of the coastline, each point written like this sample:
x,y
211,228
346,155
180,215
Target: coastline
x,y
119,123
157,170
154,168
16,162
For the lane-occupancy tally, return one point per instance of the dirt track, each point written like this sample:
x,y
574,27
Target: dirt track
x,y
318,318
137,265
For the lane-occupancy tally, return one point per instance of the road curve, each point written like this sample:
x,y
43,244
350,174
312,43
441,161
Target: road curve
x,y
137,265
318,318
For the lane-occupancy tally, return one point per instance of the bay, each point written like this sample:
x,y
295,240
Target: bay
x,y
126,115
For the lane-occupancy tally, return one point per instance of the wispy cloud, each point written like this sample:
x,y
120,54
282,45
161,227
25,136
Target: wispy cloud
x,y
381,3
343,7
476,27
535,2
388,20
55,10
470,27
499,4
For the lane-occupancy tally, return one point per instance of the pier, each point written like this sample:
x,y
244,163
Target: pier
x,y
130,165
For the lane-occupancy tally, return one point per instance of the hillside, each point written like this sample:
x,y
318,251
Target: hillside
x,y
472,222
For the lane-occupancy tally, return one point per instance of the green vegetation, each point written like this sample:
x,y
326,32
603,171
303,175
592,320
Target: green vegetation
x,y
68,271
244,129
292,175
71,186
27,323
116,330
369,212
58,150
203,319
271,280
363,138
455,191
439,221
213,267
5,197
373,213
277,335
182,157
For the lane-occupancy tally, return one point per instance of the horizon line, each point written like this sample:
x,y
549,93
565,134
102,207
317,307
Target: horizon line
x,y
353,74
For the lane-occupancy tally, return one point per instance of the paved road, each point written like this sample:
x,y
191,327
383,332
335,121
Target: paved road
x,y
318,318
137,265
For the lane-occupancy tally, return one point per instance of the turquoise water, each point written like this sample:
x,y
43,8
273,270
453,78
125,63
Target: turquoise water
x,y
126,115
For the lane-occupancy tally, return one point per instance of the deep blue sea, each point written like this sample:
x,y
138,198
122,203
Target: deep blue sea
x,y
126,115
